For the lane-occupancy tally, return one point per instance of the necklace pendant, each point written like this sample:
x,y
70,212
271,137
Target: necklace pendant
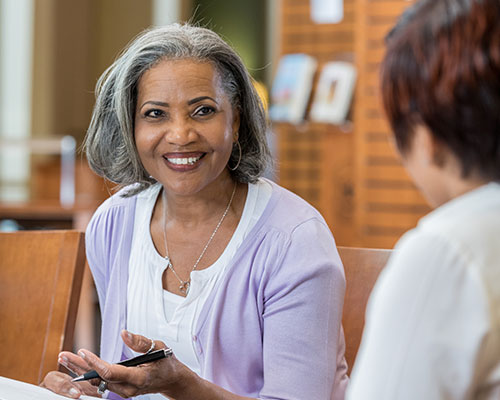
x,y
184,287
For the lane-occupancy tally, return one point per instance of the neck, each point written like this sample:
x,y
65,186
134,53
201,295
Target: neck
x,y
462,186
209,203
453,185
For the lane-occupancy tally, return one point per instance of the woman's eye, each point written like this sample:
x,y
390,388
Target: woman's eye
x,y
154,113
204,110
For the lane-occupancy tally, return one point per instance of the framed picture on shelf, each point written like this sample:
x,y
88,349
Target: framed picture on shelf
x,y
291,88
334,93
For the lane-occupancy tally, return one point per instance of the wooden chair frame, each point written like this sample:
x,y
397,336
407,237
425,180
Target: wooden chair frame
x,y
40,280
362,267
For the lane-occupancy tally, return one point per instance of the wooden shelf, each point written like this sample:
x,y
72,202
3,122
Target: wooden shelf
x,y
47,215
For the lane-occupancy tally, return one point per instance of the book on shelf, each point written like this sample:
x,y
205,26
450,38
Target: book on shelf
x,y
334,92
291,87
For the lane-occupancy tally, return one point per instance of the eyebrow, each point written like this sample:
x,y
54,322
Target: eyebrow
x,y
190,102
197,99
155,103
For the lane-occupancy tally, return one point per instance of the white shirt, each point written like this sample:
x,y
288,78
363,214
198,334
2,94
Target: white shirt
x,y
157,313
433,320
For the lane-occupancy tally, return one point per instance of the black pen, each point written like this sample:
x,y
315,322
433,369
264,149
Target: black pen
x,y
131,362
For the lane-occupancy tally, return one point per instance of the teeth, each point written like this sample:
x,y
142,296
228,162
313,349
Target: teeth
x,y
183,161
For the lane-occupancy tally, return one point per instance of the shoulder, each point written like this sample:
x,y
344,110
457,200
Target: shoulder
x,y
424,265
470,224
118,206
109,235
114,215
288,212
117,200
294,241
419,250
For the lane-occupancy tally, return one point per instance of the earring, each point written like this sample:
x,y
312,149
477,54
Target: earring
x,y
239,158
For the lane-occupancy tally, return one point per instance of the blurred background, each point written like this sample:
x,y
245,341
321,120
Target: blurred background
x,y
53,51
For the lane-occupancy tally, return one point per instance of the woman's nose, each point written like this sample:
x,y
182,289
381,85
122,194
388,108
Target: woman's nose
x,y
180,132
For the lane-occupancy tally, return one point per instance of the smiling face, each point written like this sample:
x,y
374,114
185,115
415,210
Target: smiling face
x,y
184,126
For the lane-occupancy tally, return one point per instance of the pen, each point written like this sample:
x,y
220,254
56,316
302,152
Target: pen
x,y
131,362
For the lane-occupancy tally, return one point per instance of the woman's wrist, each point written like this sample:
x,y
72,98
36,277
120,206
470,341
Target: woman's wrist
x,y
187,382
192,387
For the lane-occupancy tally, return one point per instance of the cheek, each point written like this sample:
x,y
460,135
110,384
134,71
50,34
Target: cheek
x,y
221,137
143,141
141,148
227,145
145,151
140,143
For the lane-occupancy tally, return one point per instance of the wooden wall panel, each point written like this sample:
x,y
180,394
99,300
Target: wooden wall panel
x,y
355,179
316,160
387,203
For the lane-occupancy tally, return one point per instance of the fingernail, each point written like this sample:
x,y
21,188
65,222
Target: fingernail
x,y
129,335
81,354
62,362
74,392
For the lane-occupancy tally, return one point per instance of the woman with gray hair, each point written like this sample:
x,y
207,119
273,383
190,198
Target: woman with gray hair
x,y
240,278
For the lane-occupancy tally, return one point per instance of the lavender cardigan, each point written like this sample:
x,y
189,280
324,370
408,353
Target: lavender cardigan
x,y
272,328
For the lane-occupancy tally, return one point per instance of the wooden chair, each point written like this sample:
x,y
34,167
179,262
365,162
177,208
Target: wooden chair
x,y
362,267
40,279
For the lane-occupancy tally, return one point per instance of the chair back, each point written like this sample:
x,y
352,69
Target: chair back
x,y
362,267
40,280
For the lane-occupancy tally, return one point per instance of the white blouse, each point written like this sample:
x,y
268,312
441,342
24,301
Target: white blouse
x,y
433,320
157,313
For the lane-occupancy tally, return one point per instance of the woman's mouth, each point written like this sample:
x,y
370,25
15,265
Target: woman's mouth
x,y
183,162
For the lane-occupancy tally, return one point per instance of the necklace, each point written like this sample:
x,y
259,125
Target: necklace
x,y
185,284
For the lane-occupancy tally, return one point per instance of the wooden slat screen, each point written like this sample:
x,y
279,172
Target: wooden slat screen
x,y
315,159
386,203
355,179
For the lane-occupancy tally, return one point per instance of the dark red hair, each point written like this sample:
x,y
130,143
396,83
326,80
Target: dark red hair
x,y
442,70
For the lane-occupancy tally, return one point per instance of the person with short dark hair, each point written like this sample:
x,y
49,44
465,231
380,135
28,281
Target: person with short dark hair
x,y
433,320
198,252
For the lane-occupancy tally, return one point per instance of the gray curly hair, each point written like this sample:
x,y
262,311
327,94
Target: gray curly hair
x,y
110,144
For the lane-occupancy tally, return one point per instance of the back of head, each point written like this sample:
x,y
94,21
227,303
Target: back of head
x,y
110,144
442,70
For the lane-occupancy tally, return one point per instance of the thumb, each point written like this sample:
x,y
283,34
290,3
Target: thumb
x,y
140,343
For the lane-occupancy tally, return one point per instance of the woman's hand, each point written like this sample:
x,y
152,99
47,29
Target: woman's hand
x,y
60,383
162,376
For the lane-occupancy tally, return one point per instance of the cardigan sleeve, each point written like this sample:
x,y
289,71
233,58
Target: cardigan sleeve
x,y
108,242
302,318
98,238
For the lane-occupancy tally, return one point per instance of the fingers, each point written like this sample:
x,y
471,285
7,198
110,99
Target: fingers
x,y
73,363
94,362
124,381
61,384
132,381
108,372
140,343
